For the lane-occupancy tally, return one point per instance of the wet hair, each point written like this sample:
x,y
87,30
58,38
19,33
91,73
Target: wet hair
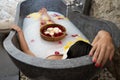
x,y
80,48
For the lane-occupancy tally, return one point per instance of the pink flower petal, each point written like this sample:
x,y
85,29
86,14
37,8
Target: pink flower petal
x,y
74,35
56,15
32,40
57,53
60,42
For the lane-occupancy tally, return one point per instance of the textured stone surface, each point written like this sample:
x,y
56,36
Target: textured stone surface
x,y
107,9
7,9
7,12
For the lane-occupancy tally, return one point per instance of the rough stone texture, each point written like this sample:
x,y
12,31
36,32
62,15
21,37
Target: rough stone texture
x,y
7,12
7,9
107,9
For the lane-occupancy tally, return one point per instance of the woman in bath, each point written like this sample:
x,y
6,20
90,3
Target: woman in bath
x,y
102,50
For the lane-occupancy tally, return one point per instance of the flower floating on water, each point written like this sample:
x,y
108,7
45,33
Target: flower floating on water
x,y
32,40
53,31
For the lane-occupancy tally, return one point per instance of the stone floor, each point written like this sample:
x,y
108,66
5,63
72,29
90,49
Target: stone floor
x,y
106,9
104,75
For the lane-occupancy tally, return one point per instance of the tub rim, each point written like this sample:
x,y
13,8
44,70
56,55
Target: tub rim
x,y
39,62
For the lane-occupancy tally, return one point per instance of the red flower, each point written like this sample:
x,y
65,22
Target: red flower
x,y
60,42
32,40
55,15
57,53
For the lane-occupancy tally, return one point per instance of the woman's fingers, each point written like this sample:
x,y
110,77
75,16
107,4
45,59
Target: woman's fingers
x,y
111,55
15,27
105,58
94,47
91,53
101,53
112,52
96,53
100,56
95,40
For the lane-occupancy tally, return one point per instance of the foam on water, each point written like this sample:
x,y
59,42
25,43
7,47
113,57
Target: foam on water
x,y
42,48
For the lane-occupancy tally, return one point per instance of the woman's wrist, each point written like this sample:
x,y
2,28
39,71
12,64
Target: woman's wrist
x,y
104,33
19,31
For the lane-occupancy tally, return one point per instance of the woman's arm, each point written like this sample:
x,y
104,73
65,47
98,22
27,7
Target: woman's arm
x,y
23,43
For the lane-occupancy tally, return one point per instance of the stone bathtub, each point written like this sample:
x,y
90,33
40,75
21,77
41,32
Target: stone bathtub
x,y
81,68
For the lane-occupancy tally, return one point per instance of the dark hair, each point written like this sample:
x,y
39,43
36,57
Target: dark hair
x,y
80,48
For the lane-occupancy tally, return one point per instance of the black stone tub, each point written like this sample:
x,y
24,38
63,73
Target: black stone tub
x,y
81,68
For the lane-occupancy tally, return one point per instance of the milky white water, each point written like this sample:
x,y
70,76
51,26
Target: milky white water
x,y
42,48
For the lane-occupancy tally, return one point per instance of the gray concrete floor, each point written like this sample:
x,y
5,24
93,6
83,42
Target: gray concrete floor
x,y
8,71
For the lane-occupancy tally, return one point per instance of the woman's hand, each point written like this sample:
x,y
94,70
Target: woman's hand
x,y
16,28
103,48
